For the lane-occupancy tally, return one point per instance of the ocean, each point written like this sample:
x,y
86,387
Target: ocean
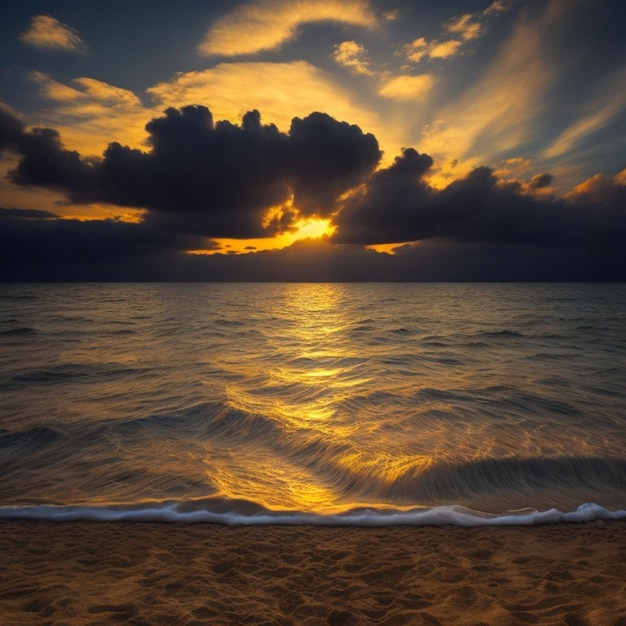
x,y
272,403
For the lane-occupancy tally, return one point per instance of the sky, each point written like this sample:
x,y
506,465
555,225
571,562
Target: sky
x,y
300,140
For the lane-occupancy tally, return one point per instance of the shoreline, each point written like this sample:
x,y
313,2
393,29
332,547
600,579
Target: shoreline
x,y
75,573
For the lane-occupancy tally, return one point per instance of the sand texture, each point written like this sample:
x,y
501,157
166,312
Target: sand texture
x,y
139,573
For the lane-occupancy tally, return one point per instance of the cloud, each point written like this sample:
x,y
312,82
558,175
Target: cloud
x,y
199,179
327,158
88,112
498,6
352,56
416,50
541,181
420,49
35,214
600,189
216,179
47,32
498,113
268,24
620,178
444,49
396,204
382,210
11,129
59,250
466,26
407,87
281,91
554,86
604,107
62,249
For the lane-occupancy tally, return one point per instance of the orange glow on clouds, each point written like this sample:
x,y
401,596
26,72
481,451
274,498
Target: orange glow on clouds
x,y
313,228
304,228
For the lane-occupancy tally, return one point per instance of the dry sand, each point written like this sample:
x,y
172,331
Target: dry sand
x,y
139,573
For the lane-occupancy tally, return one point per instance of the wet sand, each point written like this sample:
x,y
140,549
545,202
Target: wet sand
x,y
151,573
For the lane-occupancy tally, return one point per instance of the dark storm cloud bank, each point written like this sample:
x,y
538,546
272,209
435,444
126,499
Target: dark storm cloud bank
x,y
218,179
45,249
37,214
65,259
398,205
200,179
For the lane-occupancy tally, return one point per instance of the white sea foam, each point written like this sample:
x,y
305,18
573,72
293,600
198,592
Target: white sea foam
x,y
188,513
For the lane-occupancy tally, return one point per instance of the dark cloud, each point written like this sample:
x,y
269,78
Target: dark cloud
x,y
200,179
396,205
385,210
218,179
541,180
327,158
33,214
63,249
146,258
11,130
46,163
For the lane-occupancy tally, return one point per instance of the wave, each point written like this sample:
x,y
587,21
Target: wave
x,y
503,334
442,481
74,372
32,438
514,476
245,513
19,330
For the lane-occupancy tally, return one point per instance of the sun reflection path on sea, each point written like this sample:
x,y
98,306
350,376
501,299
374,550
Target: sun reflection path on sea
x,y
294,386
316,397
338,398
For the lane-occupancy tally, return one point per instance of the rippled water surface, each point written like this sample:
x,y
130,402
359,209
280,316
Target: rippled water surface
x,y
316,398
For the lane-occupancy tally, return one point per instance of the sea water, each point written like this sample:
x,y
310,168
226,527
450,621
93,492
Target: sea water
x,y
313,403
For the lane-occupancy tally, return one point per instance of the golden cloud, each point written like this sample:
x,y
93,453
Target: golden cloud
x,y
498,6
416,50
407,87
268,24
620,178
47,32
89,114
594,189
351,55
280,91
91,91
444,49
497,114
465,26
420,48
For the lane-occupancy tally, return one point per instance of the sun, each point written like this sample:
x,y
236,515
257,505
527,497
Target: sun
x,y
312,228
303,228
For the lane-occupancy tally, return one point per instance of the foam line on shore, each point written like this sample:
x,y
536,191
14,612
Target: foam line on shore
x,y
248,514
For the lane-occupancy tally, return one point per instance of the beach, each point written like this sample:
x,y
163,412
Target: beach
x,y
173,573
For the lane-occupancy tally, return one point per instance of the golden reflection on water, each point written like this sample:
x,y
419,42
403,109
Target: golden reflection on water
x,y
299,392
310,397
317,332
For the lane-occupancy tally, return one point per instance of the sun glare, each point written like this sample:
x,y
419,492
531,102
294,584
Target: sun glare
x,y
313,228
304,228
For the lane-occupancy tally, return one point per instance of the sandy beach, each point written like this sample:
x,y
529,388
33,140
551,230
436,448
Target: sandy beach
x,y
157,573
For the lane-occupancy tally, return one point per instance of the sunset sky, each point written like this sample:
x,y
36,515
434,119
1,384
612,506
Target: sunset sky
x,y
313,140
